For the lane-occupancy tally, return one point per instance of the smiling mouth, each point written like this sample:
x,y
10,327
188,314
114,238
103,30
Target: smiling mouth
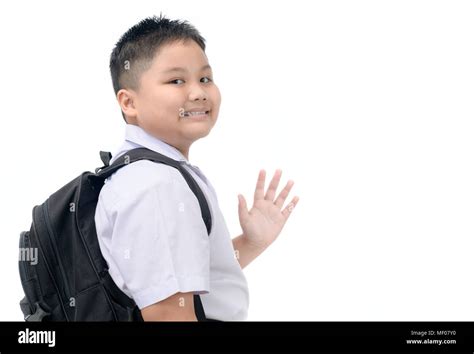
x,y
202,114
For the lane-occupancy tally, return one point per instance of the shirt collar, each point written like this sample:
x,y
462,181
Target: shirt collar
x,y
137,135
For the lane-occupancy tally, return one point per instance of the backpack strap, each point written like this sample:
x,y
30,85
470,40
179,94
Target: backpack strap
x,y
147,154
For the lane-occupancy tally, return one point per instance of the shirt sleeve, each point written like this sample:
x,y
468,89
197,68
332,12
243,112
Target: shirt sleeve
x,y
159,242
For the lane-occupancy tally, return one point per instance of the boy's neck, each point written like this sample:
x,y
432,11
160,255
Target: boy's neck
x,y
184,151
183,148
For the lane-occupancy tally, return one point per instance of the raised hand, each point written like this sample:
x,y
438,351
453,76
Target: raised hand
x,y
265,220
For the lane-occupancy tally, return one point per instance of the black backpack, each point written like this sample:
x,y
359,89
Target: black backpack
x,y
68,279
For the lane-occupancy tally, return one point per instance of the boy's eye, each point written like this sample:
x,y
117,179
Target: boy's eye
x,y
179,81
176,81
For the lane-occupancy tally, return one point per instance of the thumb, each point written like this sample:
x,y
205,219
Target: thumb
x,y
243,211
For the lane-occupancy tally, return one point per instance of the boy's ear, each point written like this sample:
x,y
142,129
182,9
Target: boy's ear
x,y
126,100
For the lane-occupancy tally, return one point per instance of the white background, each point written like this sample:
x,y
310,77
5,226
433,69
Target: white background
x,y
367,105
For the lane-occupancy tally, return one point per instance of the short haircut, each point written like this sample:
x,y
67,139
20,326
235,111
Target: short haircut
x,y
135,50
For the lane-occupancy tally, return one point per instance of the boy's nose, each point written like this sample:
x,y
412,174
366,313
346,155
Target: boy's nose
x,y
197,93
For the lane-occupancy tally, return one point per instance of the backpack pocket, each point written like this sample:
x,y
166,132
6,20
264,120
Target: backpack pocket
x,y
92,304
31,304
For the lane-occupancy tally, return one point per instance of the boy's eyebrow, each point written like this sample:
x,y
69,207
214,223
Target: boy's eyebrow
x,y
179,69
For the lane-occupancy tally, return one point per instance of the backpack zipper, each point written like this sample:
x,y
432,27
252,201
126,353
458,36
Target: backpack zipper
x,y
25,274
30,275
24,244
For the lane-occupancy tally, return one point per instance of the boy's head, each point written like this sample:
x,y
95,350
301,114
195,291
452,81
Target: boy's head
x,y
162,81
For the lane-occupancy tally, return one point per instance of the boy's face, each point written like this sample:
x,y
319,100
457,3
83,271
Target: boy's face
x,y
176,101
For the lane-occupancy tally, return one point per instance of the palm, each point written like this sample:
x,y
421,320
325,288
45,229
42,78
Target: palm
x,y
265,220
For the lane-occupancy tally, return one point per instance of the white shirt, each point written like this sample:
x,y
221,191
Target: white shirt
x,y
153,237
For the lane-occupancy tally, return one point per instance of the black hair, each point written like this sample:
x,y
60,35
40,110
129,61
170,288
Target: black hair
x,y
135,50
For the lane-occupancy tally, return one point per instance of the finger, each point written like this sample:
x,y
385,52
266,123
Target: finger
x,y
284,194
270,195
259,189
290,207
243,210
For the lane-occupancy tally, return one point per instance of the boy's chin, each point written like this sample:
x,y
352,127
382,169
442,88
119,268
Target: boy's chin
x,y
197,134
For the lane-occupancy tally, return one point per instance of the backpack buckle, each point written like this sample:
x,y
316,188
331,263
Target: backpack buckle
x,y
38,315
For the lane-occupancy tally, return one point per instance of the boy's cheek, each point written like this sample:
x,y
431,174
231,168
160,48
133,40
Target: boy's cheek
x,y
217,94
215,115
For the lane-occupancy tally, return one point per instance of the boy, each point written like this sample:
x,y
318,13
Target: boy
x,y
148,220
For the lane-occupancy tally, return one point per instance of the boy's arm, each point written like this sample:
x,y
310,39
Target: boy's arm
x,y
244,251
265,220
178,307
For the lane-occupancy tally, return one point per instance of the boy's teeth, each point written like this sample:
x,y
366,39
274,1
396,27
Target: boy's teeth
x,y
194,113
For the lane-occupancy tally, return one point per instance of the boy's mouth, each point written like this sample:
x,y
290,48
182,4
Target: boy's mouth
x,y
195,114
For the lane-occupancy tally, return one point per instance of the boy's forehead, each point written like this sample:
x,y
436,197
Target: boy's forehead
x,y
180,55
178,69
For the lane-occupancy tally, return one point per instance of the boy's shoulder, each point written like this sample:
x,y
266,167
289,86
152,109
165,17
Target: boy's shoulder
x,y
138,178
